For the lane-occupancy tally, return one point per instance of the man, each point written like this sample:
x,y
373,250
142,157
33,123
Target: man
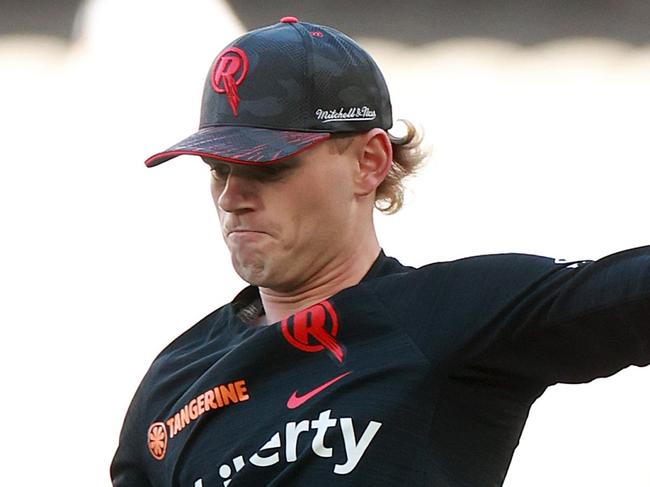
x,y
338,365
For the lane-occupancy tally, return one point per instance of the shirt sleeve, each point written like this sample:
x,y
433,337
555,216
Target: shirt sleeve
x,y
126,468
529,317
582,321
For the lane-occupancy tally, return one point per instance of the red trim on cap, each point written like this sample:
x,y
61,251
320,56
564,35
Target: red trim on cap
x,y
289,19
151,162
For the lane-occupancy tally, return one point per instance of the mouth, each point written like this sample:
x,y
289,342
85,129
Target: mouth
x,y
241,236
245,232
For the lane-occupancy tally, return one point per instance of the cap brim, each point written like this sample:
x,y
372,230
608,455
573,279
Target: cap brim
x,y
242,145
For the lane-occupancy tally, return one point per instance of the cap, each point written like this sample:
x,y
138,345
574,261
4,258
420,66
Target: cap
x,y
281,89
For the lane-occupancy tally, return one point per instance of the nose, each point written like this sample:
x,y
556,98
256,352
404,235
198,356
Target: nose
x,y
235,195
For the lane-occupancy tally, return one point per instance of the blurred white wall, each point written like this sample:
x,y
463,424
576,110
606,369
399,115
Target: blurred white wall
x,y
541,150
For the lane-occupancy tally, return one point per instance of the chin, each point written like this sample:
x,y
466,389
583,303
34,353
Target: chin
x,y
252,271
261,270
262,278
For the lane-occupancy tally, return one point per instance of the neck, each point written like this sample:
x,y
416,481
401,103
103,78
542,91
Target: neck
x,y
339,273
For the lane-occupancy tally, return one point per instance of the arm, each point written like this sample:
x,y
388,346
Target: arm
x,y
127,474
528,317
581,321
126,468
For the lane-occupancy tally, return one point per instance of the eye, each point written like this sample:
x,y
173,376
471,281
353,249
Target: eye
x,y
273,172
220,171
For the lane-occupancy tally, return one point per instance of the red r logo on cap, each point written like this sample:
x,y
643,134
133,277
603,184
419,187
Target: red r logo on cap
x,y
229,71
314,329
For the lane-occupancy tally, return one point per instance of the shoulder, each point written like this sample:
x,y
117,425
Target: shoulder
x,y
191,344
482,284
474,270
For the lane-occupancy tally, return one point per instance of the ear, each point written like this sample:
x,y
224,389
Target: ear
x,y
374,158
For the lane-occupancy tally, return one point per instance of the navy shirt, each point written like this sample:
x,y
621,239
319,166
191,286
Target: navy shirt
x,y
418,377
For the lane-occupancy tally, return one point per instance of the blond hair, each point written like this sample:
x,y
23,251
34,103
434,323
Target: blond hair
x,y
408,156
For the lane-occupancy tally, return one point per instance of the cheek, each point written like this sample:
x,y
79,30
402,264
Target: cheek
x,y
321,209
295,213
215,191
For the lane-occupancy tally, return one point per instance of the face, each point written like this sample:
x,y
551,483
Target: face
x,y
285,222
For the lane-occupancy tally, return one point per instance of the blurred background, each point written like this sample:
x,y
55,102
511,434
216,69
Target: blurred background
x,y
536,114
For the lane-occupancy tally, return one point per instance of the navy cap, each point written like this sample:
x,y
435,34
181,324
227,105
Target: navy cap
x,y
279,90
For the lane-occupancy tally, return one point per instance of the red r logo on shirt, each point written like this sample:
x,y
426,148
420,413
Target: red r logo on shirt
x,y
314,329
